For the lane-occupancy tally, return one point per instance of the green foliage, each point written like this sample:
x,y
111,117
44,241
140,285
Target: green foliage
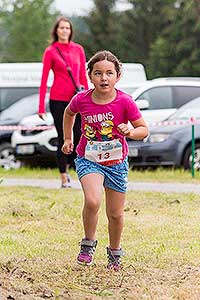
x,y
176,52
129,34
163,35
27,30
143,24
102,28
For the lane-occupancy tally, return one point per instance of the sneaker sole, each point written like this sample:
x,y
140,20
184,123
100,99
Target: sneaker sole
x,y
83,263
114,269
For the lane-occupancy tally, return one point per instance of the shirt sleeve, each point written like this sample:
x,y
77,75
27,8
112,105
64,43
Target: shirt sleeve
x,y
82,75
73,105
47,65
133,112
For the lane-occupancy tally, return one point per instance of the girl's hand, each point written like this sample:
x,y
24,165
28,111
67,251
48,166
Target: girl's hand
x,y
68,146
123,128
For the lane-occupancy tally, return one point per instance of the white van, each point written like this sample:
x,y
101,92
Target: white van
x,y
132,73
133,76
18,80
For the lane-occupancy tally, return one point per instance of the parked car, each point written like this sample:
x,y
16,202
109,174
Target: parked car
x,y
40,144
130,88
169,142
11,117
19,80
159,98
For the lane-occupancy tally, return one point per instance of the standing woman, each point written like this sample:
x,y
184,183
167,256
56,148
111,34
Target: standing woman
x,y
63,88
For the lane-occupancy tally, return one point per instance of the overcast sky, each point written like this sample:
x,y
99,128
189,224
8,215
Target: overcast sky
x,y
81,7
69,7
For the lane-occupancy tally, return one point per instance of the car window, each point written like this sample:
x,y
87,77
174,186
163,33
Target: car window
x,y
187,114
22,108
183,94
158,97
191,109
10,95
128,90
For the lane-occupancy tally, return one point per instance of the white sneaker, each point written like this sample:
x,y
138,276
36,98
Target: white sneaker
x,y
67,184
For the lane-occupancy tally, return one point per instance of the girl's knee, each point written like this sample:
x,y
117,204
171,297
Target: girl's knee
x,y
116,217
92,204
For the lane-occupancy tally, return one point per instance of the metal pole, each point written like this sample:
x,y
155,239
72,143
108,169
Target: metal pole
x,y
193,149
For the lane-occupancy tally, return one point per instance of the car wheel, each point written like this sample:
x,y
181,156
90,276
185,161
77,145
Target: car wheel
x,y
7,158
187,160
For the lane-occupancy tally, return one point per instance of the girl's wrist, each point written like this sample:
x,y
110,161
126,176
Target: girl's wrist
x,y
130,134
67,138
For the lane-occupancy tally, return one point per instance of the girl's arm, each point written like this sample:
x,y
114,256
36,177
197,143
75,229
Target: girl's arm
x,y
139,132
68,123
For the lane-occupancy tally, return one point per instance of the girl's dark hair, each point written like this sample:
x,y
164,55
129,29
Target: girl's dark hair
x,y
55,27
104,55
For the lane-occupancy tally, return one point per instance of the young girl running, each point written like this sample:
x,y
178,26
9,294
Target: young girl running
x,y
102,151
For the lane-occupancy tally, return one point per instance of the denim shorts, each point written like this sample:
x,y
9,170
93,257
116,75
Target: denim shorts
x,y
115,177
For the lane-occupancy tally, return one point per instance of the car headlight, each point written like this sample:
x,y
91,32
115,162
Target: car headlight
x,y
158,137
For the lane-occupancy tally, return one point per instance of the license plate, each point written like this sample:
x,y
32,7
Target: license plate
x,y
25,149
133,152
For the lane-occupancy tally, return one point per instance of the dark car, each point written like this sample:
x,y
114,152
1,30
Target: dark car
x,y
10,117
170,141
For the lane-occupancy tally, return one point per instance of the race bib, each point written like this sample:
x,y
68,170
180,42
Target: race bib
x,y
104,152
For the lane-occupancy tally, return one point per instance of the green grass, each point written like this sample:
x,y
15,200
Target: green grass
x,y
164,175
32,172
158,175
40,232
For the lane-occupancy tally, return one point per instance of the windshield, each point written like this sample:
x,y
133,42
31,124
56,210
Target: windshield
x,y
128,90
22,108
187,111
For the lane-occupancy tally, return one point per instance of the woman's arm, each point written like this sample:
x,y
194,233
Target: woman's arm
x,y
82,75
68,123
47,63
139,132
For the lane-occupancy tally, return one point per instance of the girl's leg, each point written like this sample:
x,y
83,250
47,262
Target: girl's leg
x,y
115,212
92,187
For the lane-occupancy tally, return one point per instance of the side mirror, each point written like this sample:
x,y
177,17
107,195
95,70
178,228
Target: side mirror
x,y
142,103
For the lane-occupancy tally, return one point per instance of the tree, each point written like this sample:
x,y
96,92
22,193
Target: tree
x,y
130,33
177,51
101,31
143,24
27,29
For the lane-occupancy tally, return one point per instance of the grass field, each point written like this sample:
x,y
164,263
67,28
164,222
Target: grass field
x,y
159,174
39,241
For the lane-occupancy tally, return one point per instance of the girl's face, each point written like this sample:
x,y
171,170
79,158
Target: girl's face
x,y
63,31
104,76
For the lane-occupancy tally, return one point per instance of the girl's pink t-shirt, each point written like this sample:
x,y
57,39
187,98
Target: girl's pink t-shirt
x,y
100,121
